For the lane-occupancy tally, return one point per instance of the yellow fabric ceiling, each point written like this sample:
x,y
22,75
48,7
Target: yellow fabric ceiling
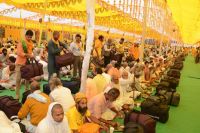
x,y
186,13
106,15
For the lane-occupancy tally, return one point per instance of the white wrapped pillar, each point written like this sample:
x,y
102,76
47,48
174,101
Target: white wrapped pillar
x,y
144,27
90,5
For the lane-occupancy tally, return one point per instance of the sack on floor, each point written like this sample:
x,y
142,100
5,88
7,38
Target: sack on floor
x,y
164,83
177,65
156,110
160,87
9,105
148,124
173,82
159,99
174,73
174,98
132,127
25,95
31,70
74,86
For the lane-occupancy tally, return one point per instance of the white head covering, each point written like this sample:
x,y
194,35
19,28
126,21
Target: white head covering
x,y
48,125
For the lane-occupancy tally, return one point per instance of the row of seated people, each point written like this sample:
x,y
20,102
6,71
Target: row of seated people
x,y
103,98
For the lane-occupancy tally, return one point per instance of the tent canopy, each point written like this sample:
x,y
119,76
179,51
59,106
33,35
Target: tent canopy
x,y
124,15
186,13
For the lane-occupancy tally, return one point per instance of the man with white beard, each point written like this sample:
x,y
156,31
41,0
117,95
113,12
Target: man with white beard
x,y
128,93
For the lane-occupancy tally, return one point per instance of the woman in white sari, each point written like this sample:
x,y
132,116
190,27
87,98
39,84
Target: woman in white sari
x,y
55,121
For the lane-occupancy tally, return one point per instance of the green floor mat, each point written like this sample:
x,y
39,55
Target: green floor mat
x,y
184,118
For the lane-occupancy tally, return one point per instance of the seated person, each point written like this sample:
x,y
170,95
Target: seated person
x,y
113,71
3,57
80,115
99,80
45,70
35,108
55,121
60,94
90,88
103,101
8,126
106,75
8,75
146,71
138,86
128,91
124,67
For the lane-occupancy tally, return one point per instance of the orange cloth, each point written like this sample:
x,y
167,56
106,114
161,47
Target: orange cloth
x,y
21,59
37,110
89,128
114,72
134,51
97,45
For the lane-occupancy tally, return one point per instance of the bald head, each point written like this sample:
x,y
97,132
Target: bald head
x,y
35,86
125,75
115,79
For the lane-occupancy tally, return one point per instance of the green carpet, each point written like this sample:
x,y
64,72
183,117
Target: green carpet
x,y
12,93
184,118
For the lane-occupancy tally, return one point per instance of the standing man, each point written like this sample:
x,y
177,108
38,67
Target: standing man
x,y
54,49
24,52
98,47
106,52
77,50
120,51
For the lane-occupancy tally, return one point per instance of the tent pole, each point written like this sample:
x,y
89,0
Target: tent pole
x,y
90,6
45,7
143,30
23,27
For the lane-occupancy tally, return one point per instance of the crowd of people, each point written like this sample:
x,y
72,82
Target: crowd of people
x,y
116,82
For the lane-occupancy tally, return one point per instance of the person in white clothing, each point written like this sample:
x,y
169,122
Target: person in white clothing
x,y
124,67
60,94
76,48
7,80
106,75
8,126
55,121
